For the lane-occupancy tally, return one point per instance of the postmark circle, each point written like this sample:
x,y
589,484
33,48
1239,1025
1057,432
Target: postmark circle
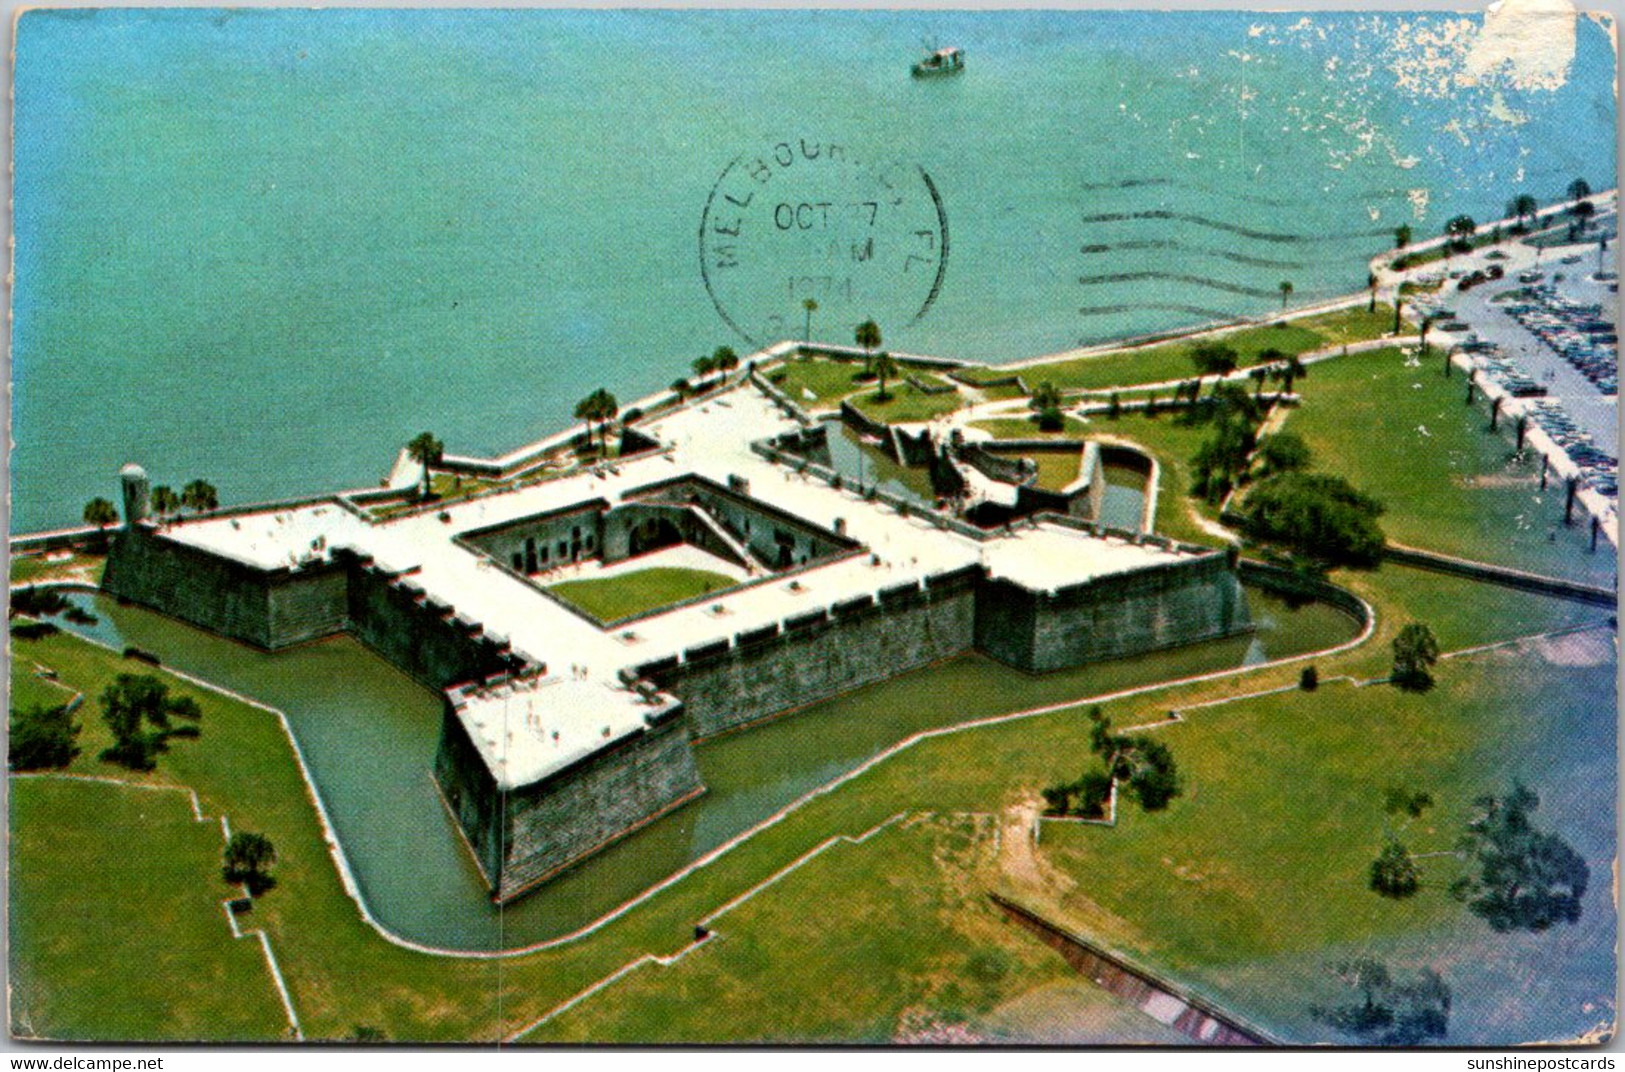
x,y
806,235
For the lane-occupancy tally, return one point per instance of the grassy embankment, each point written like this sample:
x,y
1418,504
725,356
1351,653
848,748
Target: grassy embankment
x,y
117,926
1403,433
79,566
1172,360
623,595
243,764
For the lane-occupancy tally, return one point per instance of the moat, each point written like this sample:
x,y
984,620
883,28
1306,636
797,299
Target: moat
x,y
369,735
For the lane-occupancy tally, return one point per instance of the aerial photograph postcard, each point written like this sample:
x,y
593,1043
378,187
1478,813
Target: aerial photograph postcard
x,y
814,527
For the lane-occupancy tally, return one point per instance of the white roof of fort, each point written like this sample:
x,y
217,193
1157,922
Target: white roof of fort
x,y
712,439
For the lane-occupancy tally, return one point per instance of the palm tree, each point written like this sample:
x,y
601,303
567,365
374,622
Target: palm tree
x,y
165,501
1045,396
725,359
101,513
1259,376
199,496
679,387
811,307
1582,212
1524,207
885,368
245,860
867,336
426,450
1402,235
1212,357
1579,190
1460,229
1286,291
703,367
604,409
1295,370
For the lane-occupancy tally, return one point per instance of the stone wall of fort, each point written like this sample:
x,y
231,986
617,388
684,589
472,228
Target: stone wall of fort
x,y
821,652
572,814
425,639
525,836
1155,607
266,608
470,792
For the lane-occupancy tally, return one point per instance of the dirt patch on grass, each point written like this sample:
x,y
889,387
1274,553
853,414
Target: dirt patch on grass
x,y
1497,480
1019,859
1594,647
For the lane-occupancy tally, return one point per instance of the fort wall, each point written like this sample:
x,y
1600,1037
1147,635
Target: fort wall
x,y
424,639
821,652
574,813
1156,607
522,837
269,609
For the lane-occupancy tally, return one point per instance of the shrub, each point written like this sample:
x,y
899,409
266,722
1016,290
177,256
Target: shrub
x,y
1309,680
37,602
33,630
1415,651
246,858
42,737
1318,516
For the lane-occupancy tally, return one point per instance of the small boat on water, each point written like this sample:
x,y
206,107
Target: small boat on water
x,y
939,62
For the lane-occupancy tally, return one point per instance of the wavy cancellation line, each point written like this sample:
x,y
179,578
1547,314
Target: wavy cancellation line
x,y
1176,277
1232,228
1207,191
1186,247
1157,307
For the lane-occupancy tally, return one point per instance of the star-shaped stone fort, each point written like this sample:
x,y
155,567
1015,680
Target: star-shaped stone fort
x,y
565,729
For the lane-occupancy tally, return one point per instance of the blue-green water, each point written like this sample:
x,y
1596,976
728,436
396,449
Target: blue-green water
x,y
267,247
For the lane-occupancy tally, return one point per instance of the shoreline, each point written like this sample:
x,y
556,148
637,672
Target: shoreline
x,y
506,465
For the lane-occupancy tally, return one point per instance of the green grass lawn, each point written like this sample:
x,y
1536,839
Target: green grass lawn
x,y
829,381
905,404
1057,470
1455,487
912,898
1027,428
110,943
457,486
1001,392
1172,360
1276,846
611,598
81,566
